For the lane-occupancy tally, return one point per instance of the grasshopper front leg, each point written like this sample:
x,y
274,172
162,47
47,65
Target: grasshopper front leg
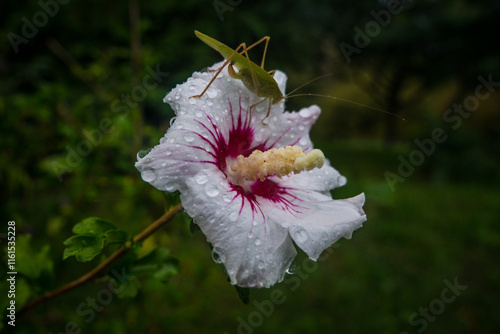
x,y
231,71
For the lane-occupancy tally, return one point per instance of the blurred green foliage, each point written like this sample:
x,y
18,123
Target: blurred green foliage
x,y
84,94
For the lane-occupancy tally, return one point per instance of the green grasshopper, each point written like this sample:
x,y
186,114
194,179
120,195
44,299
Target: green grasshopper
x,y
253,76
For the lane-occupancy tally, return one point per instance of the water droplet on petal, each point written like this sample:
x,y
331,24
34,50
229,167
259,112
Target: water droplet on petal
x,y
198,114
172,120
210,103
162,140
233,216
189,137
192,101
212,93
291,269
301,236
257,242
211,190
177,96
164,164
261,265
303,141
148,175
201,178
250,235
167,152
216,257
305,113
301,127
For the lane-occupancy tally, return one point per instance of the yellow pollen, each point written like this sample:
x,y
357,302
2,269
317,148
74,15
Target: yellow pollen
x,y
279,162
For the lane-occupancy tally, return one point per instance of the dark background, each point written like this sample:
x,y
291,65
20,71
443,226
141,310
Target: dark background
x,y
61,78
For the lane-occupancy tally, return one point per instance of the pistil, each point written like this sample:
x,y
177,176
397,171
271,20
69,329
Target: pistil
x,y
278,162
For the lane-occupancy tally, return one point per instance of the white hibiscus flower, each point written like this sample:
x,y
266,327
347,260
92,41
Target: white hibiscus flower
x,y
251,207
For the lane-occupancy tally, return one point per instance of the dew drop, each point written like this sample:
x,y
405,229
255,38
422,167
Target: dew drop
x,y
211,190
191,87
177,96
261,265
201,178
305,113
303,141
169,187
301,236
162,140
189,137
148,175
198,114
233,216
172,120
301,127
192,101
257,242
212,93
216,257
164,164
210,103
291,269
250,235
167,152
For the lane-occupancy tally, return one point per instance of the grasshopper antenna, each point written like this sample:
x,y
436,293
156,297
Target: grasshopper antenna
x,y
348,101
307,83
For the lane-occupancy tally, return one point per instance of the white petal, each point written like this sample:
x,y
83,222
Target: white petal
x,y
323,222
255,250
321,179
222,91
183,152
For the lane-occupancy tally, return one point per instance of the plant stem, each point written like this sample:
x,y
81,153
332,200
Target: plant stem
x,y
101,268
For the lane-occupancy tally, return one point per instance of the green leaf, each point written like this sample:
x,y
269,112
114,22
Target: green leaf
x,y
116,237
244,294
172,198
92,235
157,263
142,153
128,289
84,247
193,227
93,225
31,261
167,270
